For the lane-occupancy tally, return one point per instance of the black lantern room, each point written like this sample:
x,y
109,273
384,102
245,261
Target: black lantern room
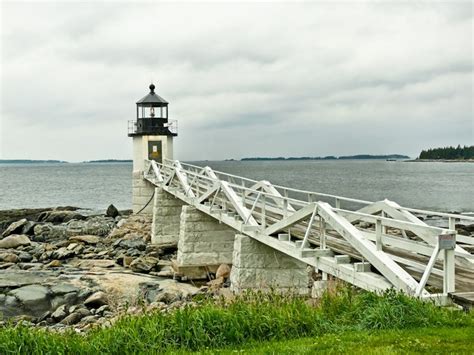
x,y
152,117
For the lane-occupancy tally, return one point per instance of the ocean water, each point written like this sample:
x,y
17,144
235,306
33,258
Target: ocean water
x,y
430,185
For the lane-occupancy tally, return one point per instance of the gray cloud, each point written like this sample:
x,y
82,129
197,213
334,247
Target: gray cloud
x,y
242,79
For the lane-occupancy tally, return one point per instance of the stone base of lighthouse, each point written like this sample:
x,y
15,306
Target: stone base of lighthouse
x,y
142,192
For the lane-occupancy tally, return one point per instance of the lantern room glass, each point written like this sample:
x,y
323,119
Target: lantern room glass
x,y
152,112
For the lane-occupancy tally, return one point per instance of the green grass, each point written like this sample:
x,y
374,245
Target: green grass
x,y
257,318
420,341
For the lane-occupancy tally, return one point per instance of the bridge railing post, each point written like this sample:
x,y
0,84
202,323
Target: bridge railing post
x,y
449,271
378,234
322,237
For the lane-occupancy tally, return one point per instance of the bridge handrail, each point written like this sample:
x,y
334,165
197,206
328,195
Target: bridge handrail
x,y
341,198
240,187
301,203
390,221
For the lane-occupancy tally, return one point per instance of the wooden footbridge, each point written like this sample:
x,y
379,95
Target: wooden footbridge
x,y
374,246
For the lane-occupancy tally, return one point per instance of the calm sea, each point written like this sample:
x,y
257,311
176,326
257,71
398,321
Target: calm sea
x,y
437,186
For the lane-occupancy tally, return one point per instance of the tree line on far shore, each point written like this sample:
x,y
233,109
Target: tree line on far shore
x,y
449,153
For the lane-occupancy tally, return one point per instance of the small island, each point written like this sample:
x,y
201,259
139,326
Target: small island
x,y
459,153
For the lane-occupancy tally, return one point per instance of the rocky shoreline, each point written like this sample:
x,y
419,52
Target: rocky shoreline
x,y
62,269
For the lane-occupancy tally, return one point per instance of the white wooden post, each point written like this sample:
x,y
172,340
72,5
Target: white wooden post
x,y
322,239
378,234
338,203
449,271
384,228
263,217
452,223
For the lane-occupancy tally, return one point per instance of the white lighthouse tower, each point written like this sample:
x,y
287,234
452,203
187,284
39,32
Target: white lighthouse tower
x,y
152,134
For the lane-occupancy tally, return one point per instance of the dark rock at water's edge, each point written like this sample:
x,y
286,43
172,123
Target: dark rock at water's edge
x,y
7,217
112,211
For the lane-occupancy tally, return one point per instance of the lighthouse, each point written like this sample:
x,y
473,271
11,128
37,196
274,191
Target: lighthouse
x,y
152,132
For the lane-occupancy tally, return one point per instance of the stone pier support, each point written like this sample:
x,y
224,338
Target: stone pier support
x,y
142,190
203,241
166,218
257,266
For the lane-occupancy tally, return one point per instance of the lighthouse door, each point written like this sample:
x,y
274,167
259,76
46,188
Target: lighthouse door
x,y
154,151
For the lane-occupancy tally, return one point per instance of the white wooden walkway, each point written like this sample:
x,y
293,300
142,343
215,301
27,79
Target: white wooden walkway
x,y
378,246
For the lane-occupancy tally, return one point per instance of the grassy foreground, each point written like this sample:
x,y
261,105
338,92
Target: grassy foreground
x,y
420,341
342,321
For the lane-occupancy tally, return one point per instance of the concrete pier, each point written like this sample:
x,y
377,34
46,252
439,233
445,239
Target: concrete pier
x,y
203,241
257,266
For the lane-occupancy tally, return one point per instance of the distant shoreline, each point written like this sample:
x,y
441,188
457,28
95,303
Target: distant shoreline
x,y
28,161
330,157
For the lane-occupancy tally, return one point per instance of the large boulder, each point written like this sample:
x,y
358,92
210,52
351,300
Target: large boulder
x,y
49,231
97,225
34,298
14,241
15,227
59,216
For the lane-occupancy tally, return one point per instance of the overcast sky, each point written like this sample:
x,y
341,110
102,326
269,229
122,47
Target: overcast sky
x,y
268,79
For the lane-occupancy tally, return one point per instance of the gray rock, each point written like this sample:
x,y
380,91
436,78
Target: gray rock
x,y
102,309
60,216
15,279
15,227
14,241
112,211
89,319
137,243
97,225
60,313
9,257
96,300
62,288
9,306
25,257
88,239
75,317
167,297
29,228
33,297
49,231
62,253
66,299
144,264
